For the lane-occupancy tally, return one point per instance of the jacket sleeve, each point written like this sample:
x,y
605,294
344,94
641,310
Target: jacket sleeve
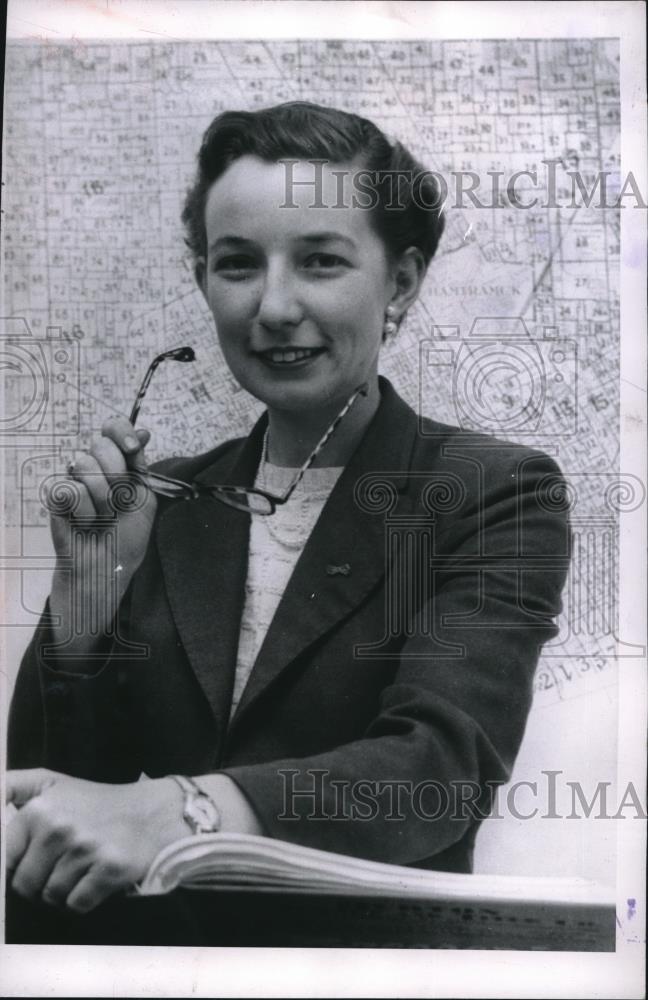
x,y
451,722
69,715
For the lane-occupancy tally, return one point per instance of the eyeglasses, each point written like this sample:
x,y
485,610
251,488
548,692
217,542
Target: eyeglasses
x,y
251,501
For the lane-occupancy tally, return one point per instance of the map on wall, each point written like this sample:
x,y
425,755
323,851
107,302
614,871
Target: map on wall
x,y
517,329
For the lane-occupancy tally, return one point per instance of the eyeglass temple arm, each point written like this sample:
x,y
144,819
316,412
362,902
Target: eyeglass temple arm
x,y
177,354
151,478
146,381
362,390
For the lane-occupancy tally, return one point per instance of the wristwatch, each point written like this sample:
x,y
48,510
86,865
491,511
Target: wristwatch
x,y
200,811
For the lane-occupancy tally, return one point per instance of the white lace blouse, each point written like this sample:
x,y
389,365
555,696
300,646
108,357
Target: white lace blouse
x,y
276,542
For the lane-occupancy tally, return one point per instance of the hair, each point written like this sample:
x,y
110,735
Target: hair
x,y
306,131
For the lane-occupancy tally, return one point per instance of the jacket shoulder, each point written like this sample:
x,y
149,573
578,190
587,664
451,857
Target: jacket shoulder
x,y
440,443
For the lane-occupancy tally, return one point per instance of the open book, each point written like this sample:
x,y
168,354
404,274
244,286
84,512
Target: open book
x,y
231,861
278,893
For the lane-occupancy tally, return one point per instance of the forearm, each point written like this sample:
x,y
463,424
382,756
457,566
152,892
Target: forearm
x,y
84,614
394,798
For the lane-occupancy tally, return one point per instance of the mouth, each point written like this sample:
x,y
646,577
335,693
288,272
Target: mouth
x,y
289,357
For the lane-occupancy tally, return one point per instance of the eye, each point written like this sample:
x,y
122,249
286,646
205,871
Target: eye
x,y
235,266
325,261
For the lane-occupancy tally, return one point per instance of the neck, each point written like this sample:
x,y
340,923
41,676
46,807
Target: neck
x,y
293,436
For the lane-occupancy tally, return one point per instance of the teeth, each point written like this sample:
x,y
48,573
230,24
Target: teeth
x,y
289,356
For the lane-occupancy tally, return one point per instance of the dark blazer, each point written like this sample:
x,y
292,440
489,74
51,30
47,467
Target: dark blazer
x,y
402,652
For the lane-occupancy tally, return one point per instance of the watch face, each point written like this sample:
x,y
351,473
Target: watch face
x,y
204,812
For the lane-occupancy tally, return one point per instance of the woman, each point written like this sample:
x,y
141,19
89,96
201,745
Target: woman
x,y
316,680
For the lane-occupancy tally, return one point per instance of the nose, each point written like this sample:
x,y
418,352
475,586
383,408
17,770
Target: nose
x,y
279,305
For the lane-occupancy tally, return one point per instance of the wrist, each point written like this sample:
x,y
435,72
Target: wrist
x,y
236,812
164,807
199,811
167,806
68,580
76,598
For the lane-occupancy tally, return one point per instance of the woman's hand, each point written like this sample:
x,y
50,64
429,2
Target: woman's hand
x,y
77,842
105,537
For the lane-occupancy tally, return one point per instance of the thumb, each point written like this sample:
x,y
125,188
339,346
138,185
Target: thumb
x,y
25,785
138,460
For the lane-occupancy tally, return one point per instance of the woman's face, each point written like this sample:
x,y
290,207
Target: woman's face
x,y
298,294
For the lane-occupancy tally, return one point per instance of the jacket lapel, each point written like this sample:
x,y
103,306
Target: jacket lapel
x,y
203,547
346,533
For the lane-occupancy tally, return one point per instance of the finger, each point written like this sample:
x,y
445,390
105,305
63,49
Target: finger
x,y
25,784
131,494
64,876
120,430
88,472
101,881
17,842
109,456
65,498
33,869
117,473
82,512
130,442
138,460
85,507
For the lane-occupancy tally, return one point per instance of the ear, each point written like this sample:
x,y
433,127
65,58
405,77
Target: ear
x,y
407,274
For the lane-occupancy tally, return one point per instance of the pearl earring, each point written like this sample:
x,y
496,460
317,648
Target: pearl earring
x,y
390,327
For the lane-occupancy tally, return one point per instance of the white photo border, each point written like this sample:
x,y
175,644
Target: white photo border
x,y
27,970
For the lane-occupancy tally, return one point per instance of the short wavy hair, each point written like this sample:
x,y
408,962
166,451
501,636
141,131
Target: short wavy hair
x,y
306,131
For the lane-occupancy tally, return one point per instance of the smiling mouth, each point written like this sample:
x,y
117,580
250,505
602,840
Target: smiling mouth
x,y
289,355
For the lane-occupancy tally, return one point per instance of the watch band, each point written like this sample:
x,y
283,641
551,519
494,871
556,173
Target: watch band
x,y
199,810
